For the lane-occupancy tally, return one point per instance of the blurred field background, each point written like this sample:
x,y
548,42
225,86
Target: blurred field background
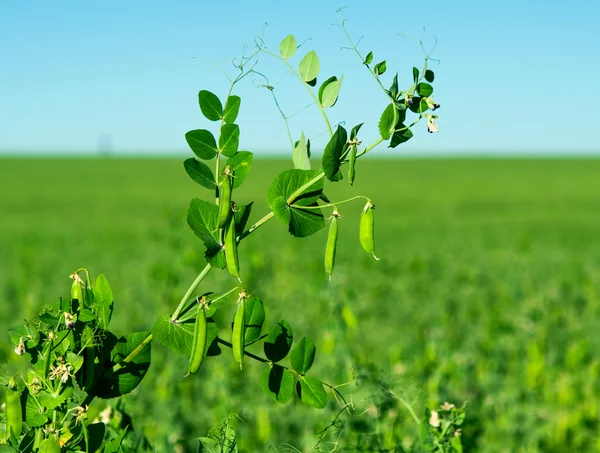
x,y
487,291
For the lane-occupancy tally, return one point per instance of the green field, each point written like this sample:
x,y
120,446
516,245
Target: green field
x,y
488,291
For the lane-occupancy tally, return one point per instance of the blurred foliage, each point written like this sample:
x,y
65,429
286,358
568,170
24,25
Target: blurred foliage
x,y
491,295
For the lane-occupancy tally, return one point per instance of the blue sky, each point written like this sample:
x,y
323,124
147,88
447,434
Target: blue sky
x,y
514,76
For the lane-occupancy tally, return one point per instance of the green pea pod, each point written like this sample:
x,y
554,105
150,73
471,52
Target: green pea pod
x,y
14,413
76,291
351,165
366,230
239,331
231,253
330,249
50,446
199,344
225,189
89,358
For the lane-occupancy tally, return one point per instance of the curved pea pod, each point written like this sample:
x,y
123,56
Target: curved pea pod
x,y
76,291
366,230
14,413
199,344
331,247
231,253
352,165
239,331
225,189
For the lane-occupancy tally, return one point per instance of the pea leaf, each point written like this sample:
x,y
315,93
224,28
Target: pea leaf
x,y
419,105
278,383
429,76
300,154
288,46
380,68
387,122
210,105
310,66
128,377
229,140
369,58
301,222
200,173
232,108
393,91
178,336
303,355
354,131
279,341
96,435
34,414
241,162
203,220
331,160
254,316
400,136
329,91
311,392
202,143
103,301
415,74
424,89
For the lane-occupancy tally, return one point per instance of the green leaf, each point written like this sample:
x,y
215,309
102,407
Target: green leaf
x,y
76,361
310,66
203,220
331,160
232,108
387,122
380,68
254,316
424,89
415,74
96,435
103,301
85,315
200,173
303,355
311,392
208,445
241,162
300,154
229,140
178,336
419,105
369,58
51,401
400,136
312,82
241,217
394,87
329,91
301,222
128,377
429,76
202,143
278,383
35,415
5,448
288,46
279,341
210,105
114,446
354,131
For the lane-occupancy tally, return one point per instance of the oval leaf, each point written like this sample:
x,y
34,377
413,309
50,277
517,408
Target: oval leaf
x,y
279,341
229,140
232,108
329,92
400,136
424,89
387,122
303,356
331,160
300,154
380,68
202,143
288,46
429,75
210,105
254,316
311,392
200,173
103,301
241,163
369,58
203,220
310,66
278,383
178,336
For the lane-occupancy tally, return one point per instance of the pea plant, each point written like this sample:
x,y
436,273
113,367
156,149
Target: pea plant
x,y
74,358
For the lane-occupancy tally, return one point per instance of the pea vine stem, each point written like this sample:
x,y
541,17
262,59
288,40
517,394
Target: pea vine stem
x,y
330,205
190,291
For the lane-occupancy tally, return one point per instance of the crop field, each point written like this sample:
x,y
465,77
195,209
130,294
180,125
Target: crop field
x,y
487,292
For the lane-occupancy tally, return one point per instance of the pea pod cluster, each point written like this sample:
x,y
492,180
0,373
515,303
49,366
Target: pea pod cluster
x,y
331,247
366,229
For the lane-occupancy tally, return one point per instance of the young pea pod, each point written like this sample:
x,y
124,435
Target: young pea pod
x,y
225,189
366,230
14,417
199,342
239,330
231,253
351,165
330,249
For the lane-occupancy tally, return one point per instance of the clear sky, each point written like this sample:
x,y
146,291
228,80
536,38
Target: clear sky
x,y
514,76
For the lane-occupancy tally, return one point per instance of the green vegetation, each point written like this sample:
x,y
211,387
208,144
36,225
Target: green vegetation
x,y
487,291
